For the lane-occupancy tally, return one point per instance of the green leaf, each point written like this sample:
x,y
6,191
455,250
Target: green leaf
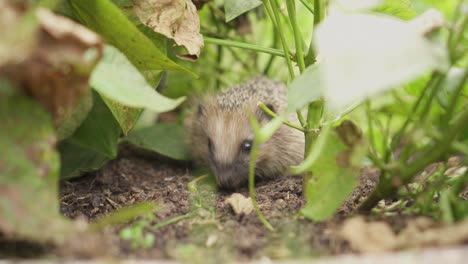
x,y
99,131
29,166
398,8
108,21
335,171
77,160
235,8
92,144
304,89
75,117
165,139
123,86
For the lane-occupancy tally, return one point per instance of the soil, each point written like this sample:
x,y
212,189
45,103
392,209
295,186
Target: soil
x,y
214,230
209,228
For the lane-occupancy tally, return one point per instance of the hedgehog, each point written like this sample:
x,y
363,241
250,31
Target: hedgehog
x,y
220,135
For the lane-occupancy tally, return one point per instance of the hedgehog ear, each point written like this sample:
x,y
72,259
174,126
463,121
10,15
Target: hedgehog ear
x,y
261,115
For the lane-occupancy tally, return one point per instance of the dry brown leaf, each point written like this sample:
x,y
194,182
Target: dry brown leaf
x,y
240,204
368,237
56,70
16,31
419,232
175,19
423,232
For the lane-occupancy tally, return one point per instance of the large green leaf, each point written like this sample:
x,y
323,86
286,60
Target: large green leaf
x,y
75,117
92,144
29,168
235,8
304,89
77,160
108,21
123,86
165,139
99,131
335,171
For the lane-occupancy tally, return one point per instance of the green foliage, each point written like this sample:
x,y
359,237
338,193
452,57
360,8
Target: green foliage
x,y
136,234
76,117
335,170
399,8
29,167
106,19
165,139
235,8
304,89
93,143
125,215
123,86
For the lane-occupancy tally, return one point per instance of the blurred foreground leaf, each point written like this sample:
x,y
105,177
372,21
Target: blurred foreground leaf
x,y
29,167
364,66
165,139
335,171
122,86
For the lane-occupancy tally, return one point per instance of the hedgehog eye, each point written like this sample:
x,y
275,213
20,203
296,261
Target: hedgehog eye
x,y
246,146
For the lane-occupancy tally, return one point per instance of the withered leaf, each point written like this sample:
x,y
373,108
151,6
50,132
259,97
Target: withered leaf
x,y
56,71
175,19
240,204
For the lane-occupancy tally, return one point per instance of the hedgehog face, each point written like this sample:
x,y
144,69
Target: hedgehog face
x,y
228,139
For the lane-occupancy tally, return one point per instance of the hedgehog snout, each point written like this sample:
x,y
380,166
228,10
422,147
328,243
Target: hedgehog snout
x,y
230,176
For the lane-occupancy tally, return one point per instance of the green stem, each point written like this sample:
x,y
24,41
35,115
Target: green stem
x,y
297,34
455,97
308,6
253,159
409,118
243,45
373,152
267,68
279,28
407,172
172,220
273,114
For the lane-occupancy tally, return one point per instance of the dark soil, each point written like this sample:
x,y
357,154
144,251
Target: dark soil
x,y
214,230
208,229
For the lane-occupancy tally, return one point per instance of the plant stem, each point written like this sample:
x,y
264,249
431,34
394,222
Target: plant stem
x,y
297,34
279,28
308,6
385,187
401,131
172,220
243,45
273,114
253,159
455,97
267,68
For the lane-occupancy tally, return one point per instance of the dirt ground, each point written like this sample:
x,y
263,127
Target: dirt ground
x,y
214,230
210,230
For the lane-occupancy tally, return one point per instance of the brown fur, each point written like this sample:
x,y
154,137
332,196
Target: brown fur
x,y
223,120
